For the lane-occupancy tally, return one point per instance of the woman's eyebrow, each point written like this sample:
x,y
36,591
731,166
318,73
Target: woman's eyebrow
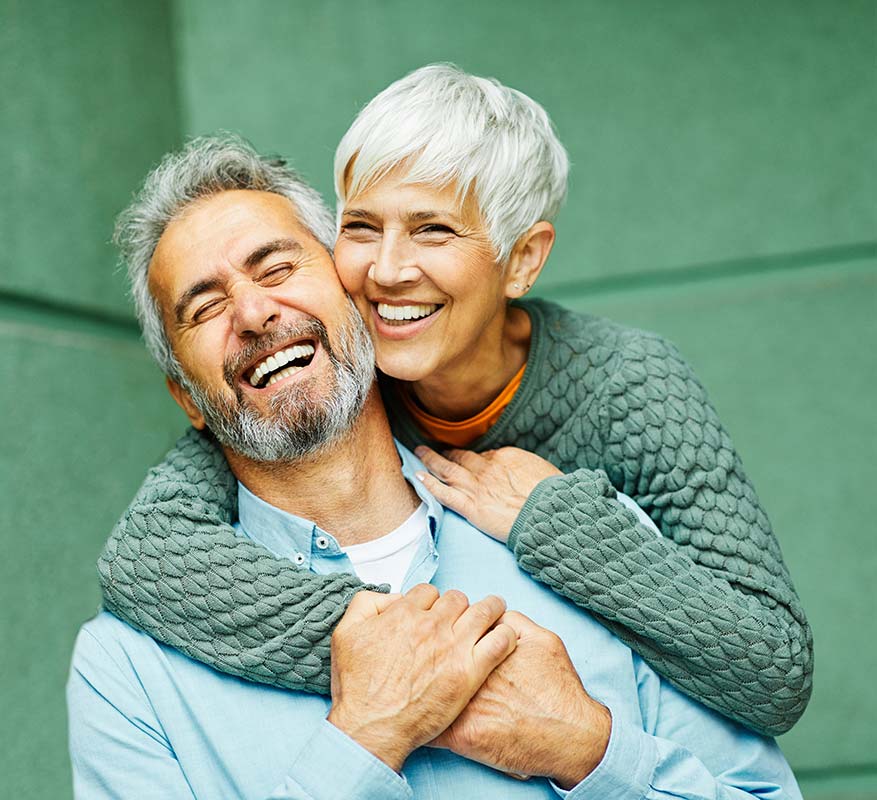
x,y
411,217
423,216
427,214
357,213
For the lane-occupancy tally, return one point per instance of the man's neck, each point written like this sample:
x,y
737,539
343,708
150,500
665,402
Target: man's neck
x,y
354,489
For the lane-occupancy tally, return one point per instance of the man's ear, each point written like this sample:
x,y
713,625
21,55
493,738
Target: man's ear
x,y
528,257
184,401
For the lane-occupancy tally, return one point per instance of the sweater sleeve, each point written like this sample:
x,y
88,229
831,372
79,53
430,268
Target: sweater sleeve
x,y
175,568
711,605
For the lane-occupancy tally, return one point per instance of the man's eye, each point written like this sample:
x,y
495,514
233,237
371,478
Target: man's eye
x,y
207,311
276,274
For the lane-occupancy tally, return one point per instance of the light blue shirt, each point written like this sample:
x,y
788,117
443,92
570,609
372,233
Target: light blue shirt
x,y
146,721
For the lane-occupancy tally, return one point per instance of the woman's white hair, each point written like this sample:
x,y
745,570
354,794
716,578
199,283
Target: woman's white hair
x,y
447,126
206,166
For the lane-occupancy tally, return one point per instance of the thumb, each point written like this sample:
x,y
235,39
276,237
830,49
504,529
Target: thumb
x,y
365,605
520,623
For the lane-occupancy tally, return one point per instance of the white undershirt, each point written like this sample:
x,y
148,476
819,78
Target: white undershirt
x,y
644,519
388,559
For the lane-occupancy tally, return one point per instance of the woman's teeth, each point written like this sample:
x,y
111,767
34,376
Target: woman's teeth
x,y
277,360
400,313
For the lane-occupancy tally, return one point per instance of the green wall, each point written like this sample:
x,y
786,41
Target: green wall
x,y
722,193
89,101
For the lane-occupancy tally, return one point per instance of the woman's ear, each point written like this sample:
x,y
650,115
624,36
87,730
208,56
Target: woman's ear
x,y
528,257
184,401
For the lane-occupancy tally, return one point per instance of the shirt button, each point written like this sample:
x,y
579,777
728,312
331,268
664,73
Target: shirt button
x,y
299,559
322,542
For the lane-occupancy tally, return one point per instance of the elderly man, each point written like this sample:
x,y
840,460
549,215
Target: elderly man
x,y
244,286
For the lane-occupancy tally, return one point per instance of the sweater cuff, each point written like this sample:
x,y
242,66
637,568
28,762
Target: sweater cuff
x,y
558,485
520,523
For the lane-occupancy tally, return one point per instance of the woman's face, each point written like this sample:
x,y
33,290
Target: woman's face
x,y
422,272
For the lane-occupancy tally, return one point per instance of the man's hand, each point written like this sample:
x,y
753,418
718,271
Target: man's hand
x,y
404,668
532,716
489,488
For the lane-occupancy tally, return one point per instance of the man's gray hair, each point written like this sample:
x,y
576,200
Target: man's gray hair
x,y
446,126
206,166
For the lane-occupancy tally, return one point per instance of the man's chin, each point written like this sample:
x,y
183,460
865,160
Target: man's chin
x,y
297,423
267,444
299,415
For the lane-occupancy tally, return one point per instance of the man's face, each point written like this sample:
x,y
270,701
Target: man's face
x,y
276,361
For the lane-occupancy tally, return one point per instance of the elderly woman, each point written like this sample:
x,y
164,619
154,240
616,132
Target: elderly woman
x,y
447,185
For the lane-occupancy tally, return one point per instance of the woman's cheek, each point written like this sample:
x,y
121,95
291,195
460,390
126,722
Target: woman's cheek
x,y
351,270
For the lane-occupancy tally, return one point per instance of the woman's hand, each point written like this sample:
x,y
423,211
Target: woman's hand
x,y
489,488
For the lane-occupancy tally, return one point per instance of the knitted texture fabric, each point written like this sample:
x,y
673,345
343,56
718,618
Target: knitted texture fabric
x,y
709,605
175,568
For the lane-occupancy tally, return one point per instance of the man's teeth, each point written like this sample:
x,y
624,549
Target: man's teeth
x,y
386,311
277,360
284,373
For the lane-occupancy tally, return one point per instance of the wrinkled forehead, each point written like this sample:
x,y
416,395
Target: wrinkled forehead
x,y
221,232
404,189
229,223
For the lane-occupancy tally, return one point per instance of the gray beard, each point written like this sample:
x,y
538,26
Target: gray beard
x,y
304,418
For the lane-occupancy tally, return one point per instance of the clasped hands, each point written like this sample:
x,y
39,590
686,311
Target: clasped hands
x,y
489,684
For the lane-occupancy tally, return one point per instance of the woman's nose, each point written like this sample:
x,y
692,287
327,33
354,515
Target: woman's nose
x,y
395,261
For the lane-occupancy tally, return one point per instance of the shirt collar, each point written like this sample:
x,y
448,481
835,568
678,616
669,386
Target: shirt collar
x,y
296,538
411,465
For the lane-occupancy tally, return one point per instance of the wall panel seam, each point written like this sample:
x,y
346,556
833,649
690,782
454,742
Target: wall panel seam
x,y
713,271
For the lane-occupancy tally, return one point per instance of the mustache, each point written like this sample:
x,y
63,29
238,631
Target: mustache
x,y
310,328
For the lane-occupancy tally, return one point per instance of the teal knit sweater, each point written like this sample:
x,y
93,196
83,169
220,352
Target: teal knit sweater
x,y
710,605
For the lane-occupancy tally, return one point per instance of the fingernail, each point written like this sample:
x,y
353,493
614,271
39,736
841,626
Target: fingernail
x,y
420,476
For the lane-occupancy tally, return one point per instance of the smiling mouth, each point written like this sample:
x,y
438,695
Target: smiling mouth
x,y
406,314
279,365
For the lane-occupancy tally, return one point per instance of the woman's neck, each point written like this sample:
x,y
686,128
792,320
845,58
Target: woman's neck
x,y
463,390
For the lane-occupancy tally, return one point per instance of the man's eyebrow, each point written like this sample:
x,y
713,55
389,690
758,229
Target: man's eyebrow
x,y
277,246
252,260
191,293
357,213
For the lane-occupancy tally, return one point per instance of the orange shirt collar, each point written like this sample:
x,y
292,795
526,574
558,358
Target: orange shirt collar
x,y
466,431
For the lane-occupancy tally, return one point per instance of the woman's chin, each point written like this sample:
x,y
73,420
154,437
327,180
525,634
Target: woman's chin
x,y
411,369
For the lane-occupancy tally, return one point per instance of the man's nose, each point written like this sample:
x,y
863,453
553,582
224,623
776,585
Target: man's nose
x,y
395,260
256,311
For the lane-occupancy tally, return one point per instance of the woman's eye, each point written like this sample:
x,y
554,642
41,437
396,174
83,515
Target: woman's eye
x,y
357,227
436,229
